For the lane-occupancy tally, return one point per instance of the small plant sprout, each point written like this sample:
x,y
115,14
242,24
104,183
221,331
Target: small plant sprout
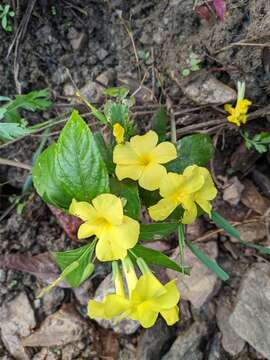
x,y
238,114
193,64
259,142
5,14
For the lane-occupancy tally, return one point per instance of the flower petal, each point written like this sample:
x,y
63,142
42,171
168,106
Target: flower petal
x,y
110,207
164,153
115,305
171,316
194,179
170,298
205,205
170,184
190,212
82,209
147,287
162,209
96,309
151,176
124,154
106,252
144,144
128,171
86,230
146,316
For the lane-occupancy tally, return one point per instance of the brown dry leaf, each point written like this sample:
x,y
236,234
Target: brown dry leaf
x,y
106,344
251,232
68,223
253,199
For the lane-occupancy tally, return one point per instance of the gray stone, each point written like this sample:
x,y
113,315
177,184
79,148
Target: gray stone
x,y
201,285
77,39
17,319
102,54
232,193
125,326
187,344
251,316
52,300
231,342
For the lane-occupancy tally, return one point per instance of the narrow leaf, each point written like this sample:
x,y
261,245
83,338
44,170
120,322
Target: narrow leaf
x,y
156,231
160,122
225,225
211,264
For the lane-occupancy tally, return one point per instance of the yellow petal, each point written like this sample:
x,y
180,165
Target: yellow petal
x,y
115,305
162,209
96,310
171,297
146,316
194,180
110,207
190,212
128,171
144,144
170,184
228,108
171,316
151,176
106,252
205,205
124,154
82,209
147,287
118,133
164,153
86,230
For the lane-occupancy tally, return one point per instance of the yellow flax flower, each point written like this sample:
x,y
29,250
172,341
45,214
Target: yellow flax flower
x,y
147,298
141,158
118,133
194,186
105,219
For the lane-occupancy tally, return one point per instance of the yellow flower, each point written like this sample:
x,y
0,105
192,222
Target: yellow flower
x,y
105,219
141,159
195,186
238,115
148,297
118,133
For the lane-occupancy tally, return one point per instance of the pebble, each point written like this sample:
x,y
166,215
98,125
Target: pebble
x,y
232,193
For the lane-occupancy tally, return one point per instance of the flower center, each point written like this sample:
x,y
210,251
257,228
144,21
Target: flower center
x,y
145,159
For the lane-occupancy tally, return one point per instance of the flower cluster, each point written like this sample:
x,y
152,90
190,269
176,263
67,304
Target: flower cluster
x,y
141,159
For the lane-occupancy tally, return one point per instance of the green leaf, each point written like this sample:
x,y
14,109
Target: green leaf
x,y
11,131
194,149
105,151
4,98
97,114
181,243
185,72
211,264
46,182
80,256
73,168
225,225
154,257
156,231
118,92
160,122
260,248
129,190
79,164
117,113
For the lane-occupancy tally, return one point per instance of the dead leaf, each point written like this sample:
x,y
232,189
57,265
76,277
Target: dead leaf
x,y
253,199
220,8
106,344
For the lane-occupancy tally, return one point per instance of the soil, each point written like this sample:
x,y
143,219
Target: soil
x,y
165,33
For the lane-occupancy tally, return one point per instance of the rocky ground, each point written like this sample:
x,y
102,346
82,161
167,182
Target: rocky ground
x,y
146,45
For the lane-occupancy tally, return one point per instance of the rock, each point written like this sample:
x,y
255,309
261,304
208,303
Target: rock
x,y
262,181
231,342
204,89
200,286
127,354
52,300
69,90
187,346
195,230
250,318
102,54
251,232
152,341
243,159
126,326
253,199
92,91
232,193
77,39
215,348
17,319
61,328
107,77
142,94
45,354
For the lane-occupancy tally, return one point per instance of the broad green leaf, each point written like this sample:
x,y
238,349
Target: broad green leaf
x,y
149,198
194,149
117,113
225,225
80,256
156,231
79,164
47,184
11,131
118,92
154,257
160,122
129,190
105,151
211,264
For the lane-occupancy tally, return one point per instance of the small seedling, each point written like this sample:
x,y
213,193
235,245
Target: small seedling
x,y
259,142
5,14
193,64
144,54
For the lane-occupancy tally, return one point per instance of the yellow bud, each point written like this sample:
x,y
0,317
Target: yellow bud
x,y
118,133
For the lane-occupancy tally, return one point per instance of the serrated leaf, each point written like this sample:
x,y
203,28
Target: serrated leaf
x,y
129,190
117,113
211,264
194,149
160,122
118,92
11,131
156,231
82,256
154,257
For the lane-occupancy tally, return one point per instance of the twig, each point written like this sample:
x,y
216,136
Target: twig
x,y
201,126
14,163
172,118
241,44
